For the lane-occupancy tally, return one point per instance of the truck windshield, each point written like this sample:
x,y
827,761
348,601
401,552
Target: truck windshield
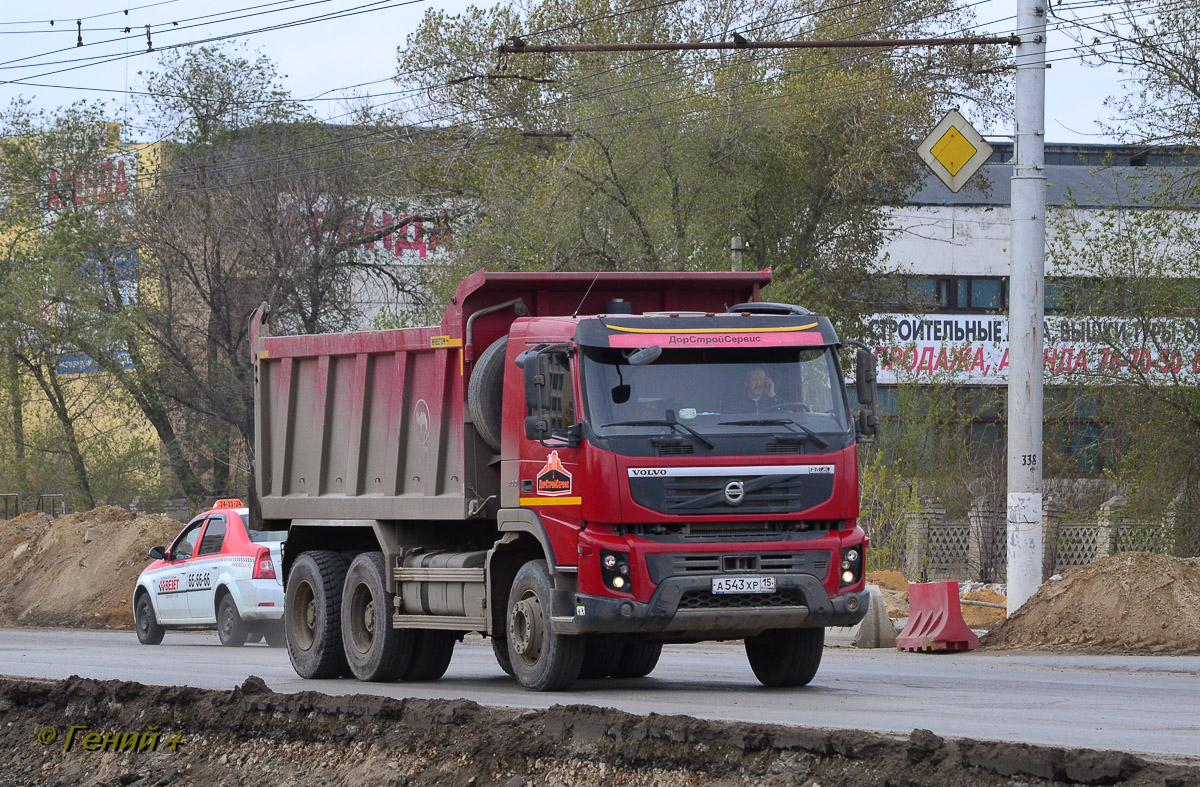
x,y
716,390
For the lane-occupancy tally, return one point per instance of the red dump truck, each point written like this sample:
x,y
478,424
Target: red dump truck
x,y
581,467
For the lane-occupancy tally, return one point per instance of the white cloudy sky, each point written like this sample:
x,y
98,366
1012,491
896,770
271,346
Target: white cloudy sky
x,y
326,56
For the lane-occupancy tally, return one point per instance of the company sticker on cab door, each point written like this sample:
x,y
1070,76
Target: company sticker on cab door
x,y
553,480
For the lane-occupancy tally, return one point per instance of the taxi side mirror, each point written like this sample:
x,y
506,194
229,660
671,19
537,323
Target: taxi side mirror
x,y
158,553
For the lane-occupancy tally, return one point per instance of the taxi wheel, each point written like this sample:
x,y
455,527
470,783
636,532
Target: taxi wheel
x,y
375,650
274,636
786,657
542,659
149,632
230,627
312,614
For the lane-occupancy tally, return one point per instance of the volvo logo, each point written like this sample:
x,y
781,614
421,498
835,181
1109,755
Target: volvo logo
x,y
735,492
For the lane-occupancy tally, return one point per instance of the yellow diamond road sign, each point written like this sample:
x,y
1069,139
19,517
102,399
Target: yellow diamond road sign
x,y
954,150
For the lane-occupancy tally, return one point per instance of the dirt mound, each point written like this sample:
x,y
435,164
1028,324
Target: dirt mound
x,y
253,735
1134,602
78,569
889,580
975,615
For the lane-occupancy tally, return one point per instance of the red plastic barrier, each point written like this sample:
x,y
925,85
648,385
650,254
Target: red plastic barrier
x,y
935,620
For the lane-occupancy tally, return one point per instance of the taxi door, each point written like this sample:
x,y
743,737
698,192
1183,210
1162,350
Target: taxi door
x,y
201,573
170,584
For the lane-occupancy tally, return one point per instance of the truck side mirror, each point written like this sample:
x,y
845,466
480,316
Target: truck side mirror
x,y
535,382
864,377
865,374
536,427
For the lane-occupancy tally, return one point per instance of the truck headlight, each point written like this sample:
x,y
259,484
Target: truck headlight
x,y
853,565
614,569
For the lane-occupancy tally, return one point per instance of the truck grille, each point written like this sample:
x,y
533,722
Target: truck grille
x,y
691,495
702,599
676,532
814,562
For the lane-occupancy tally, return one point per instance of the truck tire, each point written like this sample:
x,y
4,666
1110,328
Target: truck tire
x,y
312,614
786,657
484,392
432,652
149,632
500,649
230,628
638,659
542,659
600,659
375,651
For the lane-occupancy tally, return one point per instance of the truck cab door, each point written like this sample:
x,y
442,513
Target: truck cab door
x,y
202,574
549,474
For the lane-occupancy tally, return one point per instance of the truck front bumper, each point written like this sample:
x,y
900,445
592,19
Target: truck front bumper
x,y
577,613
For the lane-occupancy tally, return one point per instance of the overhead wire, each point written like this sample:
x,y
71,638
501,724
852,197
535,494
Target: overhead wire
x,y
446,130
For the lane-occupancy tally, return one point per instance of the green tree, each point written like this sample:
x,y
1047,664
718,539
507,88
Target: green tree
x,y
62,229
261,203
644,161
1139,260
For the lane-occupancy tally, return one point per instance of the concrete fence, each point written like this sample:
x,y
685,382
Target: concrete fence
x,y
941,548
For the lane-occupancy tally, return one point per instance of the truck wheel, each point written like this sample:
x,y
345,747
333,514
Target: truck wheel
x,y
600,659
230,627
312,614
638,659
484,392
786,657
148,630
500,649
542,659
375,651
431,655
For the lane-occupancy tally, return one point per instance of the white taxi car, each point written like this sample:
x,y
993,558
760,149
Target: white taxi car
x,y
217,573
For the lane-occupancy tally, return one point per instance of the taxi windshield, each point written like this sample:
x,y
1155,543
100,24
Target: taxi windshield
x,y
708,389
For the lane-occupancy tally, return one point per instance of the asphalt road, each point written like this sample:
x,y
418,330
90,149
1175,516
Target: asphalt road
x,y
1148,704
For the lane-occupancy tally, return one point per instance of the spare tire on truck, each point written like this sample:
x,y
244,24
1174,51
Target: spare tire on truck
x,y
485,392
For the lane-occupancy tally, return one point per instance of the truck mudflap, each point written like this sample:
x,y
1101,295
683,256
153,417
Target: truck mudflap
x,y
684,605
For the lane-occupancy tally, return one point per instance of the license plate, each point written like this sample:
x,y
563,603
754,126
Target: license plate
x,y
722,585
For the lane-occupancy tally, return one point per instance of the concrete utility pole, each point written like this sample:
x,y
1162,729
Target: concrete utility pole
x,y
1026,309
735,249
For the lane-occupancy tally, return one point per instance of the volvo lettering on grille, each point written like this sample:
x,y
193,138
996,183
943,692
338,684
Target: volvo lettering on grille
x,y
735,492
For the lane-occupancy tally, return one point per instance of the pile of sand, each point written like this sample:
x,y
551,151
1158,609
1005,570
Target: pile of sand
x,y
1132,602
78,569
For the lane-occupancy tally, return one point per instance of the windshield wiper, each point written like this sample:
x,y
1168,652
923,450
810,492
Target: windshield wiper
x,y
665,422
779,422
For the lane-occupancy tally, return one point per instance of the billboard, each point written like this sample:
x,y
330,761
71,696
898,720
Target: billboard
x,y
973,349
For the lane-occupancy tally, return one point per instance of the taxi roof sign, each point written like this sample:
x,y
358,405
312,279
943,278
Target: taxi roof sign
x,y
954,150
229,502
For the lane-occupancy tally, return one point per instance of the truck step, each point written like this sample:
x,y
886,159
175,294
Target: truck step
x,y
439,575
452,622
